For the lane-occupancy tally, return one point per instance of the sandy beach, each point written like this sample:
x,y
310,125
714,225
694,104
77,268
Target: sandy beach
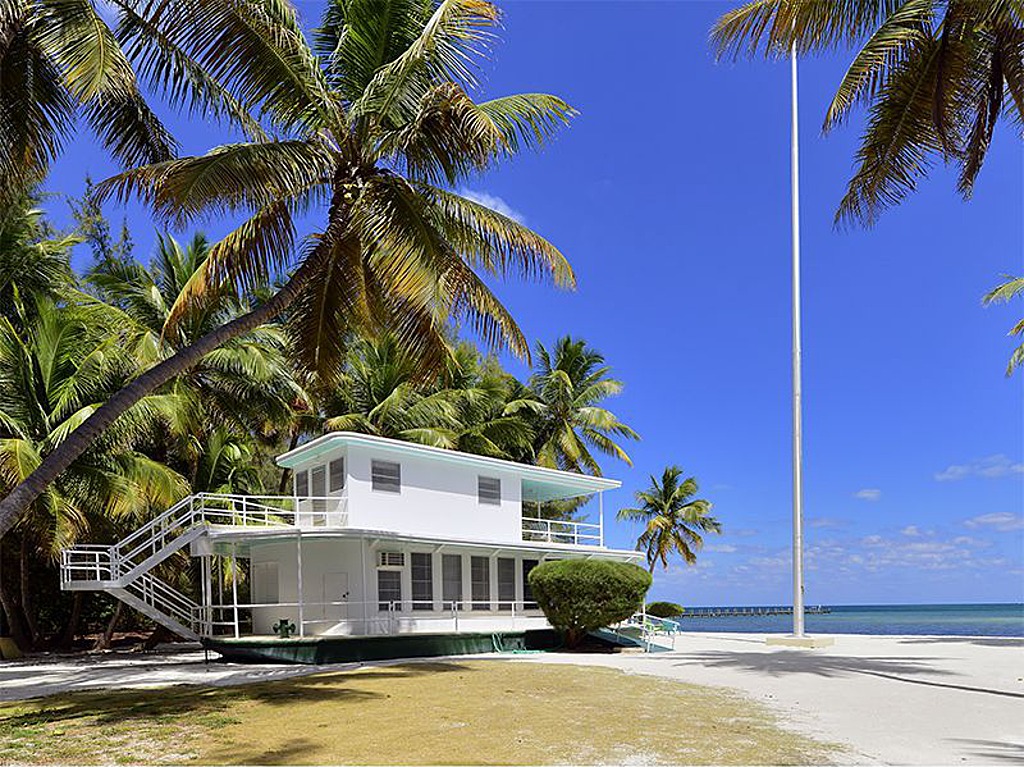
x,y
886,699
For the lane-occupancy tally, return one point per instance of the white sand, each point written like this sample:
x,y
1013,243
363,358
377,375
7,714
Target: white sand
x,y
893,700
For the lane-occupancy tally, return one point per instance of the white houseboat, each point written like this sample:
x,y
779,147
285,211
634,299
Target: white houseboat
x,y
378,537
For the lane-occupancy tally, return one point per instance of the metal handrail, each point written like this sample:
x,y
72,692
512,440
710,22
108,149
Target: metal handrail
x,y
562,531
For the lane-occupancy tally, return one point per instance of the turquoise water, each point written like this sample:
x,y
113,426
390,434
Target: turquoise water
x,y
997,620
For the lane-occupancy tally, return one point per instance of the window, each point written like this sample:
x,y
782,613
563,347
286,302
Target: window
x,y
318,480
386,476
506,583
488,490
337,472
528,601
480,579
422,581
301,484
389,588
451,579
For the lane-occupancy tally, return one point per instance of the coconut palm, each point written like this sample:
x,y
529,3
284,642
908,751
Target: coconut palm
x,y
53,375
459,408
935,76
61,62
1014,286
247,382
374,132
563,408
33,258
674,521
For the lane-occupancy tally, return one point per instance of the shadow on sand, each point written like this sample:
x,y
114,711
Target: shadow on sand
x,y
995,750
786,662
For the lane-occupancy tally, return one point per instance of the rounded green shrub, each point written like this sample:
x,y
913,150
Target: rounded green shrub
x,y
665,609
580,595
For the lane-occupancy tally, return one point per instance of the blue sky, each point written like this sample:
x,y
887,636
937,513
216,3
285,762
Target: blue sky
x,y
670,196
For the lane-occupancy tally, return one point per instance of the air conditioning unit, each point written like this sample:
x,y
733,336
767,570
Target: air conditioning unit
x,y
390,559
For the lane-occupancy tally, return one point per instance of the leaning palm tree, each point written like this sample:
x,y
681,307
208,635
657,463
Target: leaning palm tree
x,y
374,132
674,521
563,405
53,372
1014,286
935,76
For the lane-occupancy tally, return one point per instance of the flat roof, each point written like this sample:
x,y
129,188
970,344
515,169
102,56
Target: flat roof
x,y
539,482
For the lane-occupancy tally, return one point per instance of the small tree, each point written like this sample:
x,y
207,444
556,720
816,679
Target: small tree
x,y
665,609
580,595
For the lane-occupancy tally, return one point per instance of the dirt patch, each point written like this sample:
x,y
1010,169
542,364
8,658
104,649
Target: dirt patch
x,y
479,712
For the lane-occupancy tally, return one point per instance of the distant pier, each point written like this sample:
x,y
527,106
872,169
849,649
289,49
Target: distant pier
x,y
748,612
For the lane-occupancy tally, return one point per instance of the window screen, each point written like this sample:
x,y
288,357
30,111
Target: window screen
x,y
422,581
480,572
337,472
451,578
301,484
386,476
489,490
528,601
389,588
506,583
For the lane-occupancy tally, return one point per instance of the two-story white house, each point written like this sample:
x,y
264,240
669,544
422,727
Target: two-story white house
x,y
378,537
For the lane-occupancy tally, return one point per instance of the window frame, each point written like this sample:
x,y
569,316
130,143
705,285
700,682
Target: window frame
x,y
418,602
485,499
374,464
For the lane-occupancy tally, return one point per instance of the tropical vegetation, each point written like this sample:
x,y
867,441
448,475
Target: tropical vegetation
x,y
1003,293
674,522
935,77
665,609
581,595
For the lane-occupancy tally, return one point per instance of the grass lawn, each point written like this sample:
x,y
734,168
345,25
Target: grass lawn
x,y
478,712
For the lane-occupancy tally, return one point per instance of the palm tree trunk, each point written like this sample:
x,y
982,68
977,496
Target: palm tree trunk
x,y
27,604
67,637
12,611
282,486
107,637
17,502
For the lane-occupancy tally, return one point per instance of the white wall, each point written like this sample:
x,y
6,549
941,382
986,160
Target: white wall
x,y
437,498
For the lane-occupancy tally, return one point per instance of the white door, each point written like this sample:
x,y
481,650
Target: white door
x,y
334,590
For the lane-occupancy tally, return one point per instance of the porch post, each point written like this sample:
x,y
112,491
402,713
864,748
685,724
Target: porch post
x,y
298,571
600,516
207,593
363,578
234,584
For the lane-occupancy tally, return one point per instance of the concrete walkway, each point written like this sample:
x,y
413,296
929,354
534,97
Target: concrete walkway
x,y
891,700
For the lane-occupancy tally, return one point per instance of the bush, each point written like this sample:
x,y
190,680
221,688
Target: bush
x,y
665,609
580,595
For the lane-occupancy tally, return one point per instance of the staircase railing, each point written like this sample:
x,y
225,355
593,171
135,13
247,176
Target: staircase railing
x,y
110,563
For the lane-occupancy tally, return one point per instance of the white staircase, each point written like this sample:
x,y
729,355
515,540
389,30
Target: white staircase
x,y
124,569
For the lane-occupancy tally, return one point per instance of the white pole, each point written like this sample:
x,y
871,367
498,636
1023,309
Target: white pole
x,y
600,517
298,571
234,584
798,490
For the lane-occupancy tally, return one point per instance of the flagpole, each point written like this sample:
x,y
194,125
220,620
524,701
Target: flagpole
x,y
798,489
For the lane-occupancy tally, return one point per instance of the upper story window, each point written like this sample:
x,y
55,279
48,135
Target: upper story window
x,y
336,469
302,484
489,490
386,476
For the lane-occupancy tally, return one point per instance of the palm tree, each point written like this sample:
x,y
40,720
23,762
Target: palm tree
x,y
53,373
935,75
459,408
563,408
60,62
674,521
375,130
1014,286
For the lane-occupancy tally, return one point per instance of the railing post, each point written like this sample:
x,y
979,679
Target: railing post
x,y
600,518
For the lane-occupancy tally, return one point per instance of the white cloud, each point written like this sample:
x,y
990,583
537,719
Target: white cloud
x,y
1001,521
868,494
826,522
992,467
721,548
911,531
495,203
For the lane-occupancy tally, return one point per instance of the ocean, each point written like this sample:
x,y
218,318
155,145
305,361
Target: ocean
x,y
994,620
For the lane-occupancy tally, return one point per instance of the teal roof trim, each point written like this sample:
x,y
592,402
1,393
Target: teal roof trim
x,y
538,483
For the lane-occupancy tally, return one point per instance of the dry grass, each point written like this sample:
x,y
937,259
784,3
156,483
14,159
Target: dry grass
x,y
478,712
